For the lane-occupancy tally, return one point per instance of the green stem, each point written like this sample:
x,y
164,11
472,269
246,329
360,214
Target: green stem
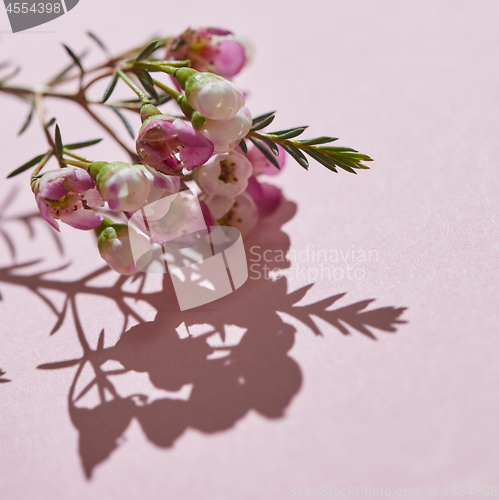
x,y
111,63
76,163
143,98
108,129
184,105
78,157
168,90
42,163
169,67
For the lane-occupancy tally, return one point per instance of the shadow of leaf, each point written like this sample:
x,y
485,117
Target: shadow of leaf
x,y
202,369
3,380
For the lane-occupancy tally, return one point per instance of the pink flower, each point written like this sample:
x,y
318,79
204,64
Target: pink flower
x,y
162,138
209,49
226,134
225,174
263,166
241,212
68,194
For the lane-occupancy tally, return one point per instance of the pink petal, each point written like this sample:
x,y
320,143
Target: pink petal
x,y
263,166
162,137
217,31
209,220
230,58
83,219
161,127
51,186
44,211
79,180
266,196
93,198
197,149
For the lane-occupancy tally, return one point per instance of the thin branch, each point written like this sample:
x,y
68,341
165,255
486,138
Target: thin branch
x,y
106,127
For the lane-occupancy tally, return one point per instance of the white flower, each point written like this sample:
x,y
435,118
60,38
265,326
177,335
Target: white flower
x,y
225,174
218,205
241,212
213,96
226,134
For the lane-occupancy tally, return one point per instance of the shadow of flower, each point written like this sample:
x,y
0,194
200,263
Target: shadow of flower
x,y
203,369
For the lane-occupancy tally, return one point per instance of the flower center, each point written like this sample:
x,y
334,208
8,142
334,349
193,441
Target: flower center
x,y
228,172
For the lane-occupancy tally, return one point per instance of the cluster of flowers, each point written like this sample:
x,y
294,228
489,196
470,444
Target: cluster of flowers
x,y
172,151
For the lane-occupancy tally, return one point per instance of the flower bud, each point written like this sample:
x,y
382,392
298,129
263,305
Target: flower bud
x,y
226,134
147,111
213,96
113,241
125,187
225,174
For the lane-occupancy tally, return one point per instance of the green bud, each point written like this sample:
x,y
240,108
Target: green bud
x,y
183,74
148,111
106,224
98,167
197,120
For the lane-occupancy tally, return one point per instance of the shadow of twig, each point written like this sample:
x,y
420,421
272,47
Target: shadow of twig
x,y
205,368
3,380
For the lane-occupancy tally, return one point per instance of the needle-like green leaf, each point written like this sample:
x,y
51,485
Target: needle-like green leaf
x,y
26,166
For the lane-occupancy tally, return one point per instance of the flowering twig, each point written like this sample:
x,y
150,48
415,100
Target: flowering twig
x,y
200,146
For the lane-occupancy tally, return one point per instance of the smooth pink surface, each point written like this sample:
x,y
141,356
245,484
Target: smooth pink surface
x,y
414,85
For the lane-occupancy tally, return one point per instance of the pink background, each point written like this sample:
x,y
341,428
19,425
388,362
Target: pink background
x,y
413,84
